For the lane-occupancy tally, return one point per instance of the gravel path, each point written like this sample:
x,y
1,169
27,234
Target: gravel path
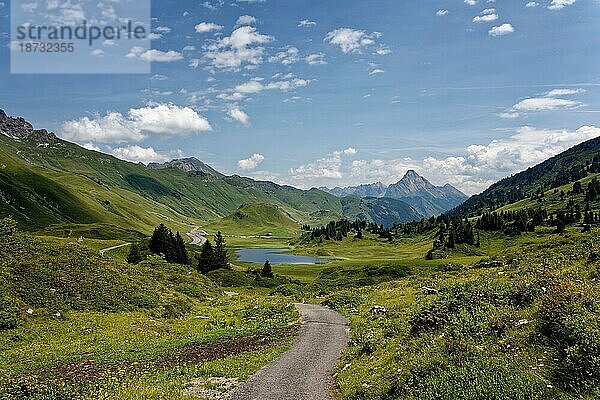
x,y
305,371
103,251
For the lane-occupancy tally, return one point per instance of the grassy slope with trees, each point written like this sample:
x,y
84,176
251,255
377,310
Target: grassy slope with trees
x,y
567,167
62,185
74,324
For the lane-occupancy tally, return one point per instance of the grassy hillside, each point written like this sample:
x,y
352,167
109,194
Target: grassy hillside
x,y
257,220
525,326
62,185
383,211
76,325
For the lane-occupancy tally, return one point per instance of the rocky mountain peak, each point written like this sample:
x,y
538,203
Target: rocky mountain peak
x,y
190,165
19,128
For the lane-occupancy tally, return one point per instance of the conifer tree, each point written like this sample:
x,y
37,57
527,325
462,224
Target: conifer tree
x,y
159,242
221,253
134,256
267,271
206,259
181,252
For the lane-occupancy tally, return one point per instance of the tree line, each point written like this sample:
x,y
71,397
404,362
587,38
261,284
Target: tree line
x,y
171,247
338,230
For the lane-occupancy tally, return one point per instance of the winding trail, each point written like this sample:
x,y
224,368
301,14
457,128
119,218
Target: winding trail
x,y
305,372
198,236
103,251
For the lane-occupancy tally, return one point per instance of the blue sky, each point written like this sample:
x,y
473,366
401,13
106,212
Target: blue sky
x,y
333,93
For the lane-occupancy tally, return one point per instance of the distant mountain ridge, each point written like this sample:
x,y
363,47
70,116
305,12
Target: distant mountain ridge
x,y
189,165
370,190
413,189
58,186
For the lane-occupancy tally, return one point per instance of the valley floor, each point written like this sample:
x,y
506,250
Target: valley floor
x,y
516,318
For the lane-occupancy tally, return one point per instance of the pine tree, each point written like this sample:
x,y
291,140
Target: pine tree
x,y
206,259
159,243
267,271
134,256
181,252
221,253
560,226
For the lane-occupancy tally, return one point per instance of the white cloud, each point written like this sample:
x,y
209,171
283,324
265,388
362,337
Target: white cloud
x,y
532,4
545,104
97,53
471,170
213,6
246,20
163,29
251,163
91,147
560,4
328,168
256,86
114,127
238,115
509,114
501,30
189,47
29,7
471,2
139,154
316,59
383,51
388,171
487,15
351,40
154,36
564,92
250,87
549,101
442,13
169,120
288,57
204,27
483,165
305,23
232,52
154,55
111,128
376,71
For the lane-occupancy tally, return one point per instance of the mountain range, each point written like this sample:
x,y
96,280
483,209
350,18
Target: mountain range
x,y
51,185
413,189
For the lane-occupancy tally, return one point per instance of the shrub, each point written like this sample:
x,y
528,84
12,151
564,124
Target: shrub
x,y
8,320
345,299
468,302
290,290
570,318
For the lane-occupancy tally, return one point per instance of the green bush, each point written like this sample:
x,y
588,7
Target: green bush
x,y
343,300
289,290
570,318
470,303
8,320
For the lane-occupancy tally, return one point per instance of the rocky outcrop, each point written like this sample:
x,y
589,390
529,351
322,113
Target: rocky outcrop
x,y
18,128
189,165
